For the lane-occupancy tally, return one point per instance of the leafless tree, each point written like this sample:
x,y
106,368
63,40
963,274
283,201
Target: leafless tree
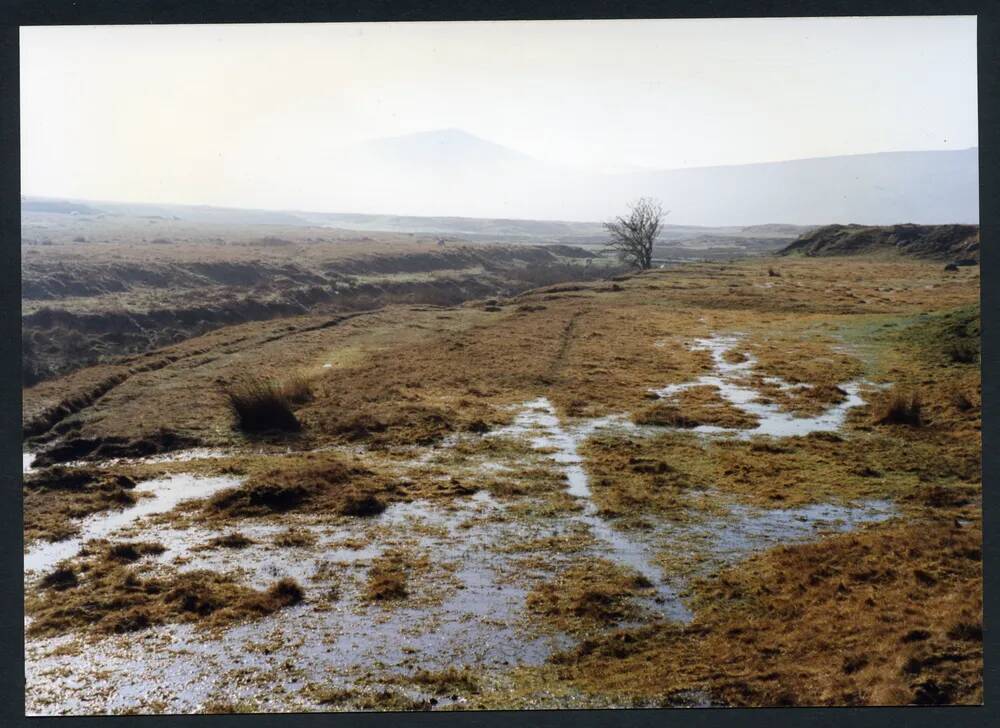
x,y
632,237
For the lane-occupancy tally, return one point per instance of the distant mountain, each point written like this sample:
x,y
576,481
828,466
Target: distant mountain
x,y
451,172
933,242
442,149
449,176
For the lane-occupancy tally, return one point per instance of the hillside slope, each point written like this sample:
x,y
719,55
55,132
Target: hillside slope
x,y
931,242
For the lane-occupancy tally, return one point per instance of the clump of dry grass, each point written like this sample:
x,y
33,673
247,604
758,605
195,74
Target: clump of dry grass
x,y
262,405
452,680
899,407
963,352
361,504
387,580
319,481
295,538
126,553
233,540
297,388
111,597
961,400
589,595
61,578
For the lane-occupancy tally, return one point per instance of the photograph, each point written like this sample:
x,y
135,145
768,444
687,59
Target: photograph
x,y
500,365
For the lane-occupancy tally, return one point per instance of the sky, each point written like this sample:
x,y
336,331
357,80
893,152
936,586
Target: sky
x,y
244,115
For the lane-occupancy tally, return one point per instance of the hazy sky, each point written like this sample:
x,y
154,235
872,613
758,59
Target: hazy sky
x,y
224,114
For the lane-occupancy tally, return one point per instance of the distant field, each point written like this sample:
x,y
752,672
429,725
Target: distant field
x,y
101,280
94,290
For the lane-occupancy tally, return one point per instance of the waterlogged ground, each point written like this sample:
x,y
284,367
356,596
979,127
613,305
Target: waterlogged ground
x,y
626,511
468,610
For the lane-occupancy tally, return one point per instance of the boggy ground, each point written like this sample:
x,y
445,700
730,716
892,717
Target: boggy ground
x,y
405,423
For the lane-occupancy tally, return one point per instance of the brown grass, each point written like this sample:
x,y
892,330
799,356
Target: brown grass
x,y
297,388
450,681
693,407
778,629
899,407
841,622
963,352
387,578
295,538
631,478
106,595
55,497
591,595
262,405
315,481
232,540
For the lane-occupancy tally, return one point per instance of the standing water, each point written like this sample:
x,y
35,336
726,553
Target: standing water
x,y
541,424
730,379
162,494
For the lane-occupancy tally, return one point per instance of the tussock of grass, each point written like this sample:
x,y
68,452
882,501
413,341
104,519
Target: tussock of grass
x,y
261,405
962,401
361,504
233,540
62,577
899,407
387,579
963,352
126,553
315,482
297,388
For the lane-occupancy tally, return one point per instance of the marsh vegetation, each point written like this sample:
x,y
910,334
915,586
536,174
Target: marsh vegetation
x,y
705,484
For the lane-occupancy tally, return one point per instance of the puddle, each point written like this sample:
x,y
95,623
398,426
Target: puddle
x,y
183,456
746,530
741,532
478,620
540,423
730,379
164,494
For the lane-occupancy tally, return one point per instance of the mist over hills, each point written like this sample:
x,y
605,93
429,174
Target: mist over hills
x,y
451,172
435,180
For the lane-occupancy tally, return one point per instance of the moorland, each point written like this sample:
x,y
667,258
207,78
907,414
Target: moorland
x,y
739,482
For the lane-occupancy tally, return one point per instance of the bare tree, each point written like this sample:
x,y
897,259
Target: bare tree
x,y
632,237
